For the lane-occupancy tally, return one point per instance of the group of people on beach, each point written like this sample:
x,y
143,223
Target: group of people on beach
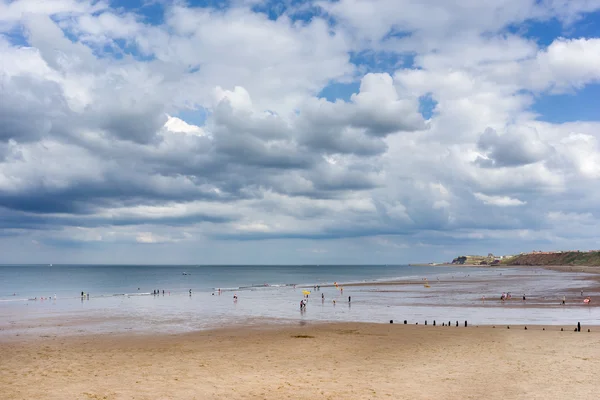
x,y
508,296
587,300
42,297
303,303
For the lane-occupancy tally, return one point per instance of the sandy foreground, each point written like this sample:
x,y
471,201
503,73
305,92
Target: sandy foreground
x,y
314,361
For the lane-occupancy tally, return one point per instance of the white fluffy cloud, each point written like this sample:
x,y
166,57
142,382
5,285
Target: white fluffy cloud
x,y
500,201
206,132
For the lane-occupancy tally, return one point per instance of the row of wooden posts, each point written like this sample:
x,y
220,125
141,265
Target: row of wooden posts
x,y
578,329
443,323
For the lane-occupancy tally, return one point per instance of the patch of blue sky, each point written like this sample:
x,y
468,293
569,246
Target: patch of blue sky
x,y
120,48
381,61
366,61
151,11
193,117
296,10
15,36
546,31
216,4
342,91
587,26
131,49
66,28
542,32
396,34
580,105
427,106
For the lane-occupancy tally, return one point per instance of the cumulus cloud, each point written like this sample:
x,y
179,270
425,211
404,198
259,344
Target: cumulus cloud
x,y
567,64
513,148
213,128
358,126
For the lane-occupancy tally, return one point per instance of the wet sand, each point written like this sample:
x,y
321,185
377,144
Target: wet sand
x,y
588,269
453,296
313,361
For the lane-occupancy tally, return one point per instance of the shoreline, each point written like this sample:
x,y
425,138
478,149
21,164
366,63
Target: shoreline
x,y
266,325
590,269
315,360
459,295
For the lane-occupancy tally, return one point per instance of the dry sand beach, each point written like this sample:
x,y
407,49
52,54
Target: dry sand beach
x,y
313,361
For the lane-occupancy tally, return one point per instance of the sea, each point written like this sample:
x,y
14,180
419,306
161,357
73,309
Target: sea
x,y
47,299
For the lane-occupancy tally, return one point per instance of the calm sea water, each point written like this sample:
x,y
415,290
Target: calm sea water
x,y
47,299
29,281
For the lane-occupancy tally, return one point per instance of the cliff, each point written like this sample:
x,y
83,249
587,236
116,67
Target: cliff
x,y
565,258
476,260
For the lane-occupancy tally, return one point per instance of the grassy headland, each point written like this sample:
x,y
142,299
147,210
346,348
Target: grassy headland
x,y
591,258
539,258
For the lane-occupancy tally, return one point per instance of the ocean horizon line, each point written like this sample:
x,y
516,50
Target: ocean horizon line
x,y
207,265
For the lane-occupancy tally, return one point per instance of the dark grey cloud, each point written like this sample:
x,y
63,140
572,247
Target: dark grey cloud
x,y
117,188
249,150
340,139
268,126
511,149
29,108
12,219
140,126
381,123
32,109
343,179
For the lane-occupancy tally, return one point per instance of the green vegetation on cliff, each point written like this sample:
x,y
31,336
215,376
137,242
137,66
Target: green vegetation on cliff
x,y
591,258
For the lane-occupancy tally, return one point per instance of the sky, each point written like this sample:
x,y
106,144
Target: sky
x,y
297,132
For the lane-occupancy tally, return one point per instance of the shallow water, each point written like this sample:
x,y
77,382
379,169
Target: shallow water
x,y
457,296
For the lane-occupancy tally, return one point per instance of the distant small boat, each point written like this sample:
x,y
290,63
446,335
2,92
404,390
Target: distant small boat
x,y
184,273
49,265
